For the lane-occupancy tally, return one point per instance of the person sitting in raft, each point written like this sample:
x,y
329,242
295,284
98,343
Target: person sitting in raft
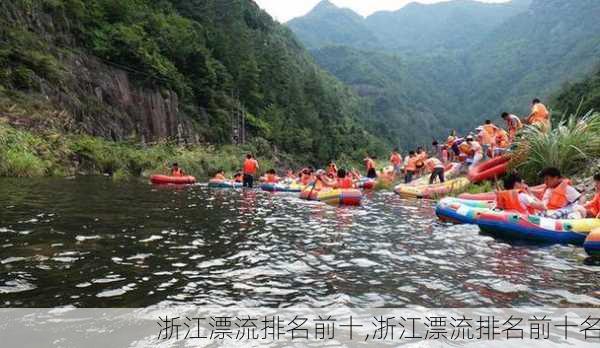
x,y
593,207
332,169
306,176
396,161
560,198
238,177
540,116
370,165
344,180
271,177
513,124
176,171
436,168
250,169
516,197
410,168
290,175
475,152
322,180
220,175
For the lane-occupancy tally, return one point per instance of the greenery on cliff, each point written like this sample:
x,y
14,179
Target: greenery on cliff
x,y
218,56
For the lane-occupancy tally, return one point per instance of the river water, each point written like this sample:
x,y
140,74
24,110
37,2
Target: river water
x,y
91,242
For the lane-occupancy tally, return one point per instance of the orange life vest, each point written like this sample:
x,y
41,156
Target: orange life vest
x,y
540,114
271,179
509,201
411,166
487,136
593,207
370,164
305,179
465,148
345,183
502,139
250,166
396,159
558,199
219,177
177,172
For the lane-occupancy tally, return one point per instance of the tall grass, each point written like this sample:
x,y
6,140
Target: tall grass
x,y
570,147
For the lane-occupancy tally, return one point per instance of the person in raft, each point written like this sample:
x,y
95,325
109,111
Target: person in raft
x,y
271,177
593,207
238,177
176,171
475,152
436,168
332,169
540,116
370,165
410,167
396,161
220,175
250,168
344,180
516,197
513,124
561,200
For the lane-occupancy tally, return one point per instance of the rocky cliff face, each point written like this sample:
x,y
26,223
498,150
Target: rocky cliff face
x,y
91,96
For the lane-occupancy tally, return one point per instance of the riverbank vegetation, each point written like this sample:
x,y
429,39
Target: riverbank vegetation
x,y
25,154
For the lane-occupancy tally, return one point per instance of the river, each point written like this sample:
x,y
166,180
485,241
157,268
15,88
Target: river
x,y
91,242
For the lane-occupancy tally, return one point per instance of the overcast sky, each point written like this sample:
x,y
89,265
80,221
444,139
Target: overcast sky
x,y
284,10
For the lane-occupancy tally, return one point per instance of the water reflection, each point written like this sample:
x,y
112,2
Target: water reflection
x,y
90,242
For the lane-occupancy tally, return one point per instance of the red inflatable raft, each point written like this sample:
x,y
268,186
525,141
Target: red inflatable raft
x,y
488,170
173,180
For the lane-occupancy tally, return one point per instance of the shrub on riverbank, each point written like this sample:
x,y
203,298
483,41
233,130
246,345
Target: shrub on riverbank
x,y
28,154
570,147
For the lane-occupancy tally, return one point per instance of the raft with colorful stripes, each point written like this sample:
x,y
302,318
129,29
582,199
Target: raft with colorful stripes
x,y
214,183
513,225
282,187
172,180
431,191
333,196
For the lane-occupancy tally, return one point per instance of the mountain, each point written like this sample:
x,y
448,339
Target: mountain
x,y
517,51
328,24
149,70
442,26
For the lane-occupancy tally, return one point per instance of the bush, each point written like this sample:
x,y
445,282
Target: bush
x,y
569,147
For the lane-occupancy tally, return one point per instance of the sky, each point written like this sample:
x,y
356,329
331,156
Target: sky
x,y
284,10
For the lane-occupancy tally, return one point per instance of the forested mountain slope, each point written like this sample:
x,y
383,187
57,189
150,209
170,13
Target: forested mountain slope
x,y
527,49
152,69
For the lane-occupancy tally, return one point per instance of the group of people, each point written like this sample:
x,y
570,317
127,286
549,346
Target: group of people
x,y
557,200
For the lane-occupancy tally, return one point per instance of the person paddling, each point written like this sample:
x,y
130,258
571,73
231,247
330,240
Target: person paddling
x,y
250,169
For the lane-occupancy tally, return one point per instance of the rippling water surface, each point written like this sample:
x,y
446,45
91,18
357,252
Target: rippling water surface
x,y
94,243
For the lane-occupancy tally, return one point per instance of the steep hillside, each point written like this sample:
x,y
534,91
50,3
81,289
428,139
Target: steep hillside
x,y
155,69
579,97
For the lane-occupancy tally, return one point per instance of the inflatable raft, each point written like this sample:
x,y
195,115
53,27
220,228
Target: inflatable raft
x,y
431,191
367,183
535,228
172,180
513,225
592,243
489,170
451,171
333,196
537,191
460,211
282,187
224,184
